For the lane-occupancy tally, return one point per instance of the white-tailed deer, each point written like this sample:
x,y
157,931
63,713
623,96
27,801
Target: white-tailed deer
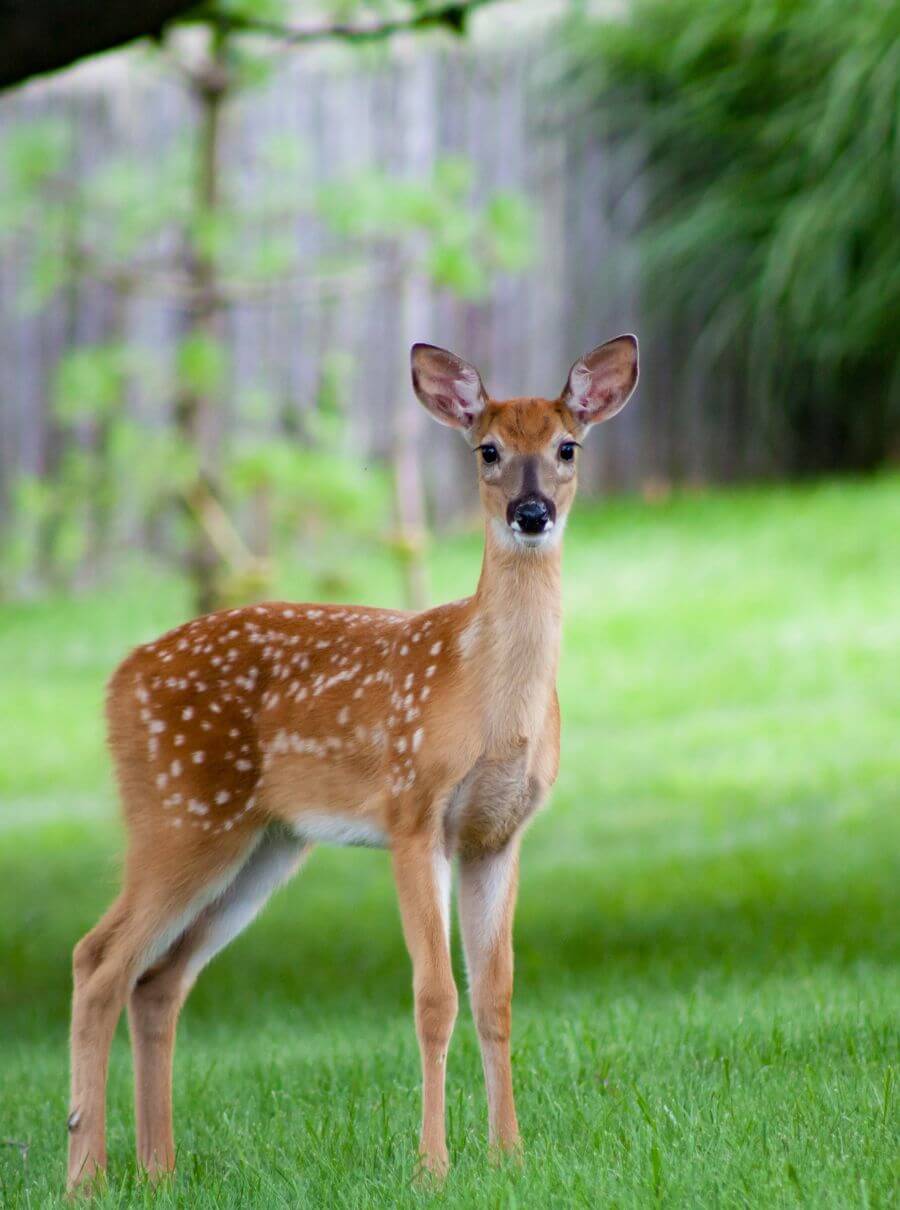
x,y
242,738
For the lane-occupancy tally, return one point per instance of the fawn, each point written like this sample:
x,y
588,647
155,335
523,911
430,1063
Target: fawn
x,y
242,738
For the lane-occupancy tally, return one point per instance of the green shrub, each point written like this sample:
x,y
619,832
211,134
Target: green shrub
x,y
769,141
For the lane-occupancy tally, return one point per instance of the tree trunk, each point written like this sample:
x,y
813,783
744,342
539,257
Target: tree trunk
x,y
409,494
195,412
103,485
57,435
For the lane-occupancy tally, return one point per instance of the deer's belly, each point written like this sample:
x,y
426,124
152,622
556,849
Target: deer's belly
x,y
325,802
324,827
492,803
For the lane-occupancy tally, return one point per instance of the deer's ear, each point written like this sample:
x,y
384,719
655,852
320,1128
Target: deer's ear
x,y
601,382
447,386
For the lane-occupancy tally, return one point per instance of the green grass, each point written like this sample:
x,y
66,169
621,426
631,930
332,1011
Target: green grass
x,y
707,941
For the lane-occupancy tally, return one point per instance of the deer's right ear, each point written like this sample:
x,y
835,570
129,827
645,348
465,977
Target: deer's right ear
x,y
447,386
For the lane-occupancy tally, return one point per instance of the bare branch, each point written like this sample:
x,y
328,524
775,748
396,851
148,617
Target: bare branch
x,y
452,15
43,35
84,27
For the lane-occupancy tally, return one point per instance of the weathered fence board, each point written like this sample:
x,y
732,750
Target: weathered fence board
x,y
401,110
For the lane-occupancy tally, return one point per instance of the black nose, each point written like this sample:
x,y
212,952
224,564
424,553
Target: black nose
x,y
532,514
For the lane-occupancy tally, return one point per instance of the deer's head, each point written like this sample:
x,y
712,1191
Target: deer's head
x,y
527,449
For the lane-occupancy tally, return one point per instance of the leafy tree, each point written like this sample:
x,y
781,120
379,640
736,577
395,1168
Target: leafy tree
x,y
118,225
770,138
84,27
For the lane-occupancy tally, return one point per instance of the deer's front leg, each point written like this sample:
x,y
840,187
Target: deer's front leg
x,y
422,872
487,899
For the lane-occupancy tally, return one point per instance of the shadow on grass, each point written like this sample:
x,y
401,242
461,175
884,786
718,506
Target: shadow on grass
x,y
332,940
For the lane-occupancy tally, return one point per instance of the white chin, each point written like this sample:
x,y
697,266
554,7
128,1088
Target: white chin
x,y
533,541
516,539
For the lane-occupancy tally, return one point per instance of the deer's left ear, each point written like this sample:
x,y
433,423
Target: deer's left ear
x,y
447,386
601,382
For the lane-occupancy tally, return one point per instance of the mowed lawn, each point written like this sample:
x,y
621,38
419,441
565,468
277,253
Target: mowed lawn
x,y
707,987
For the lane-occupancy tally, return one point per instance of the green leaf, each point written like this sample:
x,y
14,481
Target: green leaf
x,y
454,175
457,269
212,232
202,363
88,382
510,225
32,153
274,257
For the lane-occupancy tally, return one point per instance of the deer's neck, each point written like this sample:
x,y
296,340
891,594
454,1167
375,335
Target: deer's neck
x,y
515,634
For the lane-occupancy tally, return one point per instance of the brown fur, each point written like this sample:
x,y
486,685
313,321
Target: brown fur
x,y
242,737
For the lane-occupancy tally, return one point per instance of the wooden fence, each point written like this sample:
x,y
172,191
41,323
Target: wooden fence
x,y
400,110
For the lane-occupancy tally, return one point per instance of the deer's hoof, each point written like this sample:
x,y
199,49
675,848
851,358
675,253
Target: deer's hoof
x,y
432,1169
509,1151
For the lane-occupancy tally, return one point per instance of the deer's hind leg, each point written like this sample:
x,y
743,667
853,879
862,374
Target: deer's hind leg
x,y
157,998
166,888
101,971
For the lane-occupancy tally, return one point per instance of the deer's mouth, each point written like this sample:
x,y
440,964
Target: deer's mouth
x,y
532,538
514,538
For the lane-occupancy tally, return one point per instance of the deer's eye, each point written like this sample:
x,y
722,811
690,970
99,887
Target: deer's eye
x,y
567,451
489,454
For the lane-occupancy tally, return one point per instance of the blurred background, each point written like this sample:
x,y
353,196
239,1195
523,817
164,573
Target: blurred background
x,y
218,240
218,246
